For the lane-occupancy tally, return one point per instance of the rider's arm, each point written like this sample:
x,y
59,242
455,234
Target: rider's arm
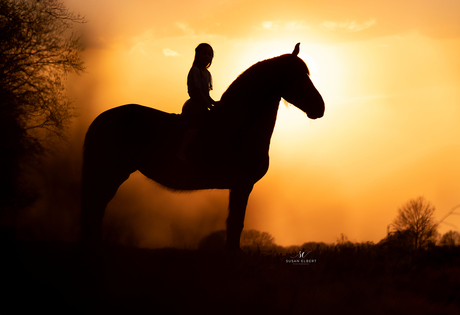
x,y
198,96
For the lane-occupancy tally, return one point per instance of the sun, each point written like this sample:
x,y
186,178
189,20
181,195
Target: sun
x,y
293,128
290,121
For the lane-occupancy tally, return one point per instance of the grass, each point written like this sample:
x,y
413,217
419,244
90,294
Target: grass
x,y
350,278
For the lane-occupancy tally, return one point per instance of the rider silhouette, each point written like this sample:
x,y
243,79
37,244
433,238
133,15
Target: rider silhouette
x,y
199,83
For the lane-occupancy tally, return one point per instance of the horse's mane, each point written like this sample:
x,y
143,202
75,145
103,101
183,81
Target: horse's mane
x,y
260,74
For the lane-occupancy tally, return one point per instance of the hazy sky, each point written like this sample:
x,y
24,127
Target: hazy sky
x,y
389,72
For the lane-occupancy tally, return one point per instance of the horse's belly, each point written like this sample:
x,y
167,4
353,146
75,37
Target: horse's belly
x,y
180,176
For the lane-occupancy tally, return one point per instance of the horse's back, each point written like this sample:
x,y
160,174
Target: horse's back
x,y
125,130
132,118
134,114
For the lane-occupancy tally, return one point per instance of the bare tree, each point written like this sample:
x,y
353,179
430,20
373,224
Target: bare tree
x,y
416,220
37,51
252,239
451,238
343,240
256,239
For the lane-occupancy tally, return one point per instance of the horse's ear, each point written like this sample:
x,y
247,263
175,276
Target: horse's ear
x,y
296,49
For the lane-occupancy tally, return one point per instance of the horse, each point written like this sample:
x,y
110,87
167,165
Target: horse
x,y
229,152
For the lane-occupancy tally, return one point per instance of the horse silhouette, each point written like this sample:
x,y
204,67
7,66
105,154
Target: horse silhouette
x,y
229,152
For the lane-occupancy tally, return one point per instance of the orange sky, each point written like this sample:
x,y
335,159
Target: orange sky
x,y
389,73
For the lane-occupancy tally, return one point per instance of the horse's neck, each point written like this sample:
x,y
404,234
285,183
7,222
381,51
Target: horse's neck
x,y
251,104
252,118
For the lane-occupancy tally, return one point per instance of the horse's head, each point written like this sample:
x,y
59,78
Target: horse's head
x,y
297,87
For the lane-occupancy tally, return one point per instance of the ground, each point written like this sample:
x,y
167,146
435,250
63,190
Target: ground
x,y
54,278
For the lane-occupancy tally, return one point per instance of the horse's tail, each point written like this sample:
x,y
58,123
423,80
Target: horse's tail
x,y
102,172
114,144
90,234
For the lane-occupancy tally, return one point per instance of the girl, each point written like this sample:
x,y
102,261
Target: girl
x,y
199,83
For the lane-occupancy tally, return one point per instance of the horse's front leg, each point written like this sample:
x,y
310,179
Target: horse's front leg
x,y
236,211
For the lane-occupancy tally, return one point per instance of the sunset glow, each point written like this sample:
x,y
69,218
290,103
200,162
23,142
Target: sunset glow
x,y
389,73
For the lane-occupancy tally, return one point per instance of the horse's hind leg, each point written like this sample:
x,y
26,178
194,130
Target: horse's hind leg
x,y
98,189
237,209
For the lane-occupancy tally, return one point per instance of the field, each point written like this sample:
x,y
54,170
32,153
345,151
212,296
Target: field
x,y
53,278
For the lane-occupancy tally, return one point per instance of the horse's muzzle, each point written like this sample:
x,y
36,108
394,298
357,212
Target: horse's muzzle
x,y
316,110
